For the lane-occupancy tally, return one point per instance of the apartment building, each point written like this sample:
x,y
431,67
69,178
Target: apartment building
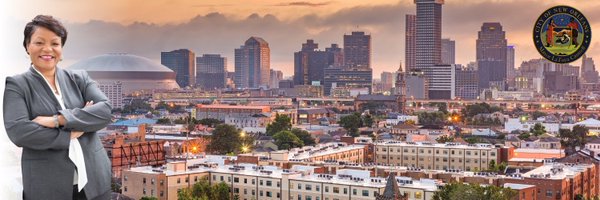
x,y
426,155
249,181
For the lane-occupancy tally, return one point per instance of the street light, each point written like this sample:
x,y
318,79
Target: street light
x,y
243,134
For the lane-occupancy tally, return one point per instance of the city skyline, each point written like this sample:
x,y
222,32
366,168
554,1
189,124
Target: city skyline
x,y
323,21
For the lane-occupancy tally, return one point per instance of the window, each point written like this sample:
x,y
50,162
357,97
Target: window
x,y
261,193
308,187
152,181
418,195
549,193
162,193
269,194
144,180
162,182
178,180
125,177
326,188
144,191
187,179
214,177
236,180
269,183
245,191
261,182
236,190
125,188
345,190
245,180
253,181
354,192
221,178
365,193
299,186
336,190
308,198
318,187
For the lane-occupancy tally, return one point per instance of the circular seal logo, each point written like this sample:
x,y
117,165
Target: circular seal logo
x,y
562,34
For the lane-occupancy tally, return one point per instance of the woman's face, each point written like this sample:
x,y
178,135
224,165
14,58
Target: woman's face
x,y
45,49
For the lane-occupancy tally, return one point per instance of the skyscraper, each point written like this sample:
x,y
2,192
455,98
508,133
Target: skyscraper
x,y
448,49
410,42
588,70
309,64
357,50
276,76
428,34
253,64
211,71
511,72
336,55
491,56
466,83
181,61
387,81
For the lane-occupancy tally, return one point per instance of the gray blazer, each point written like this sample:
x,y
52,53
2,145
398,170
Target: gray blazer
x,y
46,167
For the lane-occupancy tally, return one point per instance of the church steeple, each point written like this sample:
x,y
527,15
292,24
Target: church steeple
x,y
391,191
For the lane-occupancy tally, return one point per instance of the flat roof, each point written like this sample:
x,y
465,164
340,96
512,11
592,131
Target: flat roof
x,y
231,106
436,145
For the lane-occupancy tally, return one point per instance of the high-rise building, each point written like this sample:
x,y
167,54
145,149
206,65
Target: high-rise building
x,y
309,64
428,34
336,55
276,76
357,50
348,78
211,71
410,41
491,56
511,72
448,49
417,85
181,61
253,64
442,82
588,70
387,81
466,83
114,92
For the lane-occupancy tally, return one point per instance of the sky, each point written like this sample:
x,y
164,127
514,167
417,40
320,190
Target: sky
x,y
146,27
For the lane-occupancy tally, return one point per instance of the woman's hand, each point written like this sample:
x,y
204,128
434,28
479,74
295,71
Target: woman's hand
x,y
45,121
49,121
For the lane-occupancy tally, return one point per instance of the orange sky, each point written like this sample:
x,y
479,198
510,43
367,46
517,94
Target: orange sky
x,y
462,20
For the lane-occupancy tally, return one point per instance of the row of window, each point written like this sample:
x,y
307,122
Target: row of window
x,y
334,189
467,160
245,181
437,151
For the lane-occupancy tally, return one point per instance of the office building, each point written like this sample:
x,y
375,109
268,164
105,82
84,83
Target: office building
x,y
181,61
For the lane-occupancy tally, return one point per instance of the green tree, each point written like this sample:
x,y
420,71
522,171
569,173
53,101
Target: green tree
x,y
210,122
473,140
225,139
220,191
444,138
351,123
287,140
281,123
432,118
571,139
474,192
538,129
305,136
536,114
163,121
367,120
524,135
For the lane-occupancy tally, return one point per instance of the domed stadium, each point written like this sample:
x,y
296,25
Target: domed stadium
x,y
134,73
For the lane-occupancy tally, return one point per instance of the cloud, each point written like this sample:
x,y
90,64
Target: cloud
x,y
304,3
217,33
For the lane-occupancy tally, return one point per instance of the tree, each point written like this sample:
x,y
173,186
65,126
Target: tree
x,y
473,140
538,129
432,118
163,121
220,191
351,123
524,135
573,139
287,140
281,123
536,114
305,136
471,110
474,192
225,139
210,122
444,138
367,120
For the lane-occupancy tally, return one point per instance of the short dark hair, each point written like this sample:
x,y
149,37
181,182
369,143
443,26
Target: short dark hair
x,y
45,21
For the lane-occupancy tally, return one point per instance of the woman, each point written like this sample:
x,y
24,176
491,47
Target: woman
x,y
53,114
550,33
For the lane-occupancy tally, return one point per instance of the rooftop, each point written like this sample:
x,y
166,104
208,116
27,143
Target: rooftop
x,y
436,145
